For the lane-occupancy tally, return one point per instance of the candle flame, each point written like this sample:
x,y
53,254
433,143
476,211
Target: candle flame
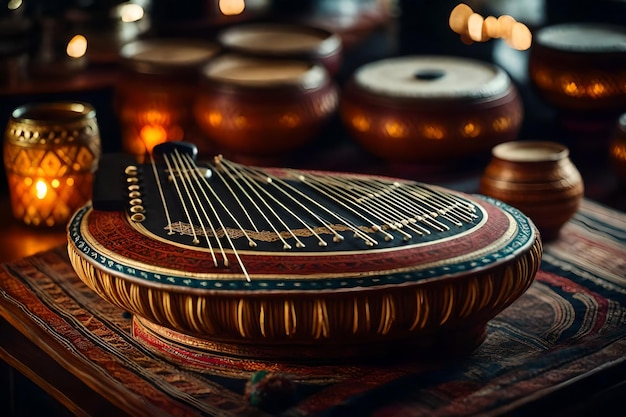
x,y
77,46
41,189
232,7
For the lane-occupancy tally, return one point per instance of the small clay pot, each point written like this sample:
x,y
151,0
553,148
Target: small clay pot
x,y
539,179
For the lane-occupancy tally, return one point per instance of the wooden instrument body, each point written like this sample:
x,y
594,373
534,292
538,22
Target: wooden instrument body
x,y
347,299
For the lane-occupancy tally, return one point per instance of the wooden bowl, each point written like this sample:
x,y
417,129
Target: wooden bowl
x,y
263,107
430,108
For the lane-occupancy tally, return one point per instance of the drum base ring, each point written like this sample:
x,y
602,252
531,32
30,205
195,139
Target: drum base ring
x,y
305,362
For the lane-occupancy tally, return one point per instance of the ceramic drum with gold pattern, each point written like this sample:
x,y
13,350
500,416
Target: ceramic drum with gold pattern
x,y
259,107
430,109
295,265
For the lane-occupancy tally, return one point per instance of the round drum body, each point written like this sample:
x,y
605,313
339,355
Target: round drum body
x,y
430,108
263,107
580,66
346,298
155,91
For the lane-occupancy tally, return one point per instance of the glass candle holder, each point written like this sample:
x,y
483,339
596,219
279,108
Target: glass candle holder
x,y
50,153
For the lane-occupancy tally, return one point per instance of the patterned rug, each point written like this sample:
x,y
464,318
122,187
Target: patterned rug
x,y
569,326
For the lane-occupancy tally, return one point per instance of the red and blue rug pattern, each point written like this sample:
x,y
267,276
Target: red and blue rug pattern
x,y
567,328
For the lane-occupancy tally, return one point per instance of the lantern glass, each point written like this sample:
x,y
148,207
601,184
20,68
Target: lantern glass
x,y
51,151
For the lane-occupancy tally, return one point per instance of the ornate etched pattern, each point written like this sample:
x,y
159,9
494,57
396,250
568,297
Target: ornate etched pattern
x,y
50,154
285,316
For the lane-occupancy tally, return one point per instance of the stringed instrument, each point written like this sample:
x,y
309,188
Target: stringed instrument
x,y
285,264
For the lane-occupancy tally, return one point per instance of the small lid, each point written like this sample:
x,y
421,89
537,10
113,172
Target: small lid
x,y
583,37
530,151
280,40
433,77
167,56
235,69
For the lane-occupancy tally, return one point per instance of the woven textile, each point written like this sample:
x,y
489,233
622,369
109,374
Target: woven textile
x,y
570,324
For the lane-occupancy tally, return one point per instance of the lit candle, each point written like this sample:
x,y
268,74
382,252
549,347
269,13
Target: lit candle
x,y
50,153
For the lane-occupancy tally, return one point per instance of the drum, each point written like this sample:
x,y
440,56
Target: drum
x,y
430,109
263,108
220,258
155,91
580,67
285,41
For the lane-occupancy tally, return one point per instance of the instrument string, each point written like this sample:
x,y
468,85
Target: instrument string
x,y
195,202
365,194
418,211
240,180
384,211
176,173
325,188
201,180
296,201
157,179
263,178
172,177
449,205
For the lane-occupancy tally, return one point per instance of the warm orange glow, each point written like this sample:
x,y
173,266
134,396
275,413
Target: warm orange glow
x,y
215,118
152,135
433,132
55,183
41,189
361,123
619,152
77,46
501,124
597,89
471,130
232,7
571,88
394,129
